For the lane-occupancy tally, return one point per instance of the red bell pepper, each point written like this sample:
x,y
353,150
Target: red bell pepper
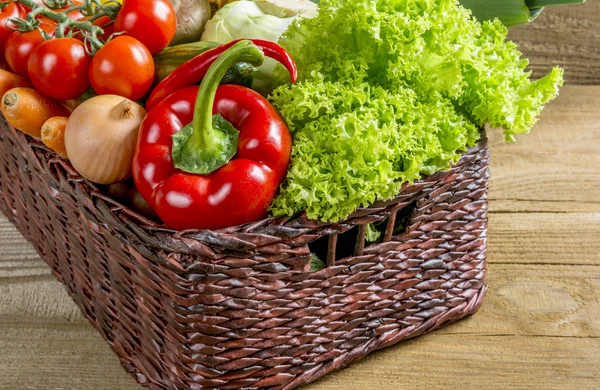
x,y
194,70
195,169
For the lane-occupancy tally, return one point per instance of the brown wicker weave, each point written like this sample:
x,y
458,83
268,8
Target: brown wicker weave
x,y
240,307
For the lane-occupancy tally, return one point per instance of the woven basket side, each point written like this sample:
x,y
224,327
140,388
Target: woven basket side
x,y
239,308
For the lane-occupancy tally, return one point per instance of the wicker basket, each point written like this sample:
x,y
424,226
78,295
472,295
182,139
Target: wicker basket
x,y
240,307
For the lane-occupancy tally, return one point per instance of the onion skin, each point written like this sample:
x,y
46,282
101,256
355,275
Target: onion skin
x,y
100,138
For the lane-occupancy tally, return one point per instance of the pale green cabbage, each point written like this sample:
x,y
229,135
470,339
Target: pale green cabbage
x,y
390,90
259,19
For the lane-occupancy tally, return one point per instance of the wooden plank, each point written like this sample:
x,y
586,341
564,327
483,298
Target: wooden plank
x,y
537,320
537,300
12,248
76,361
542,206
559,162
544,238
568,36
476,362
57,359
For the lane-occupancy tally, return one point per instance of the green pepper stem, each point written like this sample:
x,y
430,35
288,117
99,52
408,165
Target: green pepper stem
x,y
210,142
243,51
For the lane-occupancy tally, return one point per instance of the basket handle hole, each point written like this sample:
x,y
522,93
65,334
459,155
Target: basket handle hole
x,y
330,248
393,225
333,247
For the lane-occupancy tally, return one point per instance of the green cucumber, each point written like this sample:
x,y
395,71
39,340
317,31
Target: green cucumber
x,y
241,74
166,61
171,58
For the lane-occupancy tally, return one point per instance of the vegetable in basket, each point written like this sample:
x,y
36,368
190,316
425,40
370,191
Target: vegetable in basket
x,y
20,45
152,22
100,138
203,171
27,109
59,68
215,5
10,11
260,19
192,16
55,50
171,58
10,80
123,67
195,69
397,90
511,12
53,134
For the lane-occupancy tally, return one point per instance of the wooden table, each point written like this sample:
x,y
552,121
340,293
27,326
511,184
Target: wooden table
x,y
539,327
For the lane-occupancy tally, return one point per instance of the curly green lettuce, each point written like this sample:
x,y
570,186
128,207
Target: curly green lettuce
x,y
391,90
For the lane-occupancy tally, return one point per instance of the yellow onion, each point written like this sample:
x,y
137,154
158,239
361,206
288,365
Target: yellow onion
x,y
100,138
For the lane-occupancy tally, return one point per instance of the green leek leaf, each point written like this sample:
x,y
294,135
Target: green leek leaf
x,y
511,12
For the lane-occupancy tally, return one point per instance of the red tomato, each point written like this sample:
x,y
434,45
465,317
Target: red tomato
x,y
124,67
59,68
152,22
19,46
13,10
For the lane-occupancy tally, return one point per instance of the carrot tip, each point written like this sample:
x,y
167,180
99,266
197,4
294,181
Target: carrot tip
x,y
10,99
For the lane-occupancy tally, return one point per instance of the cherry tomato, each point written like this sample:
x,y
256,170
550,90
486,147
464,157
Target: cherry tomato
x,y
59,68
152,22
124,67
19,46
13,10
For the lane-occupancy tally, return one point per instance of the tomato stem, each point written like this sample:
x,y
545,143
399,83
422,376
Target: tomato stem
x,y
90,31
60,31
97,16
83,7
55,3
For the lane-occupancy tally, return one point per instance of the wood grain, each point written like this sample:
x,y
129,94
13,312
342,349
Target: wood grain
x,y
556,168
545,238
57,358
568,36
476,362
537,301
539,327
534,317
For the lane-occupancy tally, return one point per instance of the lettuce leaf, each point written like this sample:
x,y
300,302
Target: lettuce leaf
x,y
391,90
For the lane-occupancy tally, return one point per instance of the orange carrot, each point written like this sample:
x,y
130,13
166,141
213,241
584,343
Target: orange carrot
x,y
53,134
10,80
26,109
